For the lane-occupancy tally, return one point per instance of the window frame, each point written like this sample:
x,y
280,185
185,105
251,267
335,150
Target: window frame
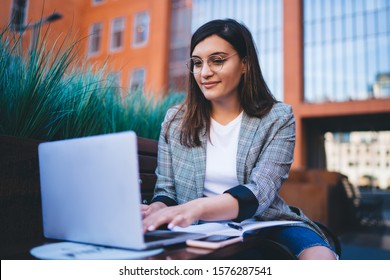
x,y
138,21
133,78
97,2
92,37
17,26
113,32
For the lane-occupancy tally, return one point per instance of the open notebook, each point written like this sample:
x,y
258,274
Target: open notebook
x,y
91,193
232,228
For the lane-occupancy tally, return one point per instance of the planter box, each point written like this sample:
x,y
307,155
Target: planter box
x,y
20,201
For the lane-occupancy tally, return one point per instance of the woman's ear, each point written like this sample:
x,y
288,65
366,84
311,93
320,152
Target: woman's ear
x,y
244,65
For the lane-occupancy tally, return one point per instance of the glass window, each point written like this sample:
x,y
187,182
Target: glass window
x,y
141,29
359,6
354,42
371,63
349,70
95,38
348,7
360,26
383,48
180,37
317,27
361,75
337,29
337,8
327,9
117,30
137,79
114,79
309,74
328,72
18,14
338,73
97,2
308,8
327,30
349,28
383,20
371,23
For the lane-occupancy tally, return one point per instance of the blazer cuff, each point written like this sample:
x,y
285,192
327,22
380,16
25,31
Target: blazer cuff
x,y
164,199
247,202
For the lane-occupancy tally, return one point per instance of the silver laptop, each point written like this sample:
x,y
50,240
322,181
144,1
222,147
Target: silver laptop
x,y
91,193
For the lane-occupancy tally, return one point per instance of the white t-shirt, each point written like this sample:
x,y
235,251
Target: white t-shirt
x,y
221,173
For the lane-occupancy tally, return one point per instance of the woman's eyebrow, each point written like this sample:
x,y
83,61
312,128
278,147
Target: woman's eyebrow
x,y
214,53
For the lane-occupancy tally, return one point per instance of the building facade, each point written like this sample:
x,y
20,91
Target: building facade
x,y
130,38
363,156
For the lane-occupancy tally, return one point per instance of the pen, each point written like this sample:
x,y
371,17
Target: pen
x,y
235,226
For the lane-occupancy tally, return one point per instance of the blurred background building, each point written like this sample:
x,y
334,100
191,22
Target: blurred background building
x,y
329,59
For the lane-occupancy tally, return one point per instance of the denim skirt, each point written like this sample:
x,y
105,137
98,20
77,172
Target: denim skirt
x,y
295,238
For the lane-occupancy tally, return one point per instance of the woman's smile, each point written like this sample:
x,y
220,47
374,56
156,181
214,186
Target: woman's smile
x,y
210,84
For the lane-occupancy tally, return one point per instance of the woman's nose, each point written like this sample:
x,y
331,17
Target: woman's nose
x,y
206,70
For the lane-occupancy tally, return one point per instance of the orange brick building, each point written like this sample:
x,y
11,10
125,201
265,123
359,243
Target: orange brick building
x,y
131,36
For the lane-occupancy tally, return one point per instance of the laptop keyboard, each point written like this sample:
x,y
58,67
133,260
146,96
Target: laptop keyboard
x,y
160,235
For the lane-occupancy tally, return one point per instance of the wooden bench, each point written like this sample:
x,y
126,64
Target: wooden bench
x,y
20,199
147,159
318,193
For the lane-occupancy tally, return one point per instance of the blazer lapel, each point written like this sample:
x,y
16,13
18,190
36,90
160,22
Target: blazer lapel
x,y
199,156
248,129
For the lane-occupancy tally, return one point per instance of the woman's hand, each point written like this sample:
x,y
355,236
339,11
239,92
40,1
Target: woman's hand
x,y
220,207
180,215
147,210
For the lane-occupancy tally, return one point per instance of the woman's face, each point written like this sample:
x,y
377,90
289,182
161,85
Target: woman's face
x,y
218,85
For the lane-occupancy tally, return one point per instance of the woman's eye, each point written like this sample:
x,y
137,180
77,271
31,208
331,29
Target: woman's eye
x,y
197,63
217,60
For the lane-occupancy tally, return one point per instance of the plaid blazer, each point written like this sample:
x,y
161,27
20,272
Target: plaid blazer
x,y
264,156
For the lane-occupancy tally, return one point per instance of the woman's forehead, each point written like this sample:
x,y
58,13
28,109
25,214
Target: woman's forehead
x,y
212,44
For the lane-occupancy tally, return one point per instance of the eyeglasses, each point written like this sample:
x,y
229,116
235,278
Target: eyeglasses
x,y
215,63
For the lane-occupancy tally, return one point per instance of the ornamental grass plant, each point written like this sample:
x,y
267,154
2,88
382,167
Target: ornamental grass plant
x,y
50,94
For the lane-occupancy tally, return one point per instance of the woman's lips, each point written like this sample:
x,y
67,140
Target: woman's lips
x,y
209,85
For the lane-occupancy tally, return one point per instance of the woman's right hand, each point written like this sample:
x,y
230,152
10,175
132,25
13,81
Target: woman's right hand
x,y
147,210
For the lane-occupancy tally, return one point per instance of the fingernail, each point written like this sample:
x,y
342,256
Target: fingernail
x,y
170,226
151,228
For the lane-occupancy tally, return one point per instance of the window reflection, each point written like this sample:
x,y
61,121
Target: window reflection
x,y
346,49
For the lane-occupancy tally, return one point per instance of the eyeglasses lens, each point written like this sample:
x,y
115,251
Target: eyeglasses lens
x,y
215,63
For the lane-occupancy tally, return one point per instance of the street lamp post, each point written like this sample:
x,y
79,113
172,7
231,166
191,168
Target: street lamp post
x,y
36,25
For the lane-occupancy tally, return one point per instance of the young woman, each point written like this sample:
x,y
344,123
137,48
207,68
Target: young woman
x,y
224,153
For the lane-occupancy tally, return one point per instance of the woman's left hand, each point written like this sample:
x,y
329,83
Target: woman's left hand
x,y
219,207
180,215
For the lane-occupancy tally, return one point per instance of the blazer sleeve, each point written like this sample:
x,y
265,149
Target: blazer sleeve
x,y
268,164
164,190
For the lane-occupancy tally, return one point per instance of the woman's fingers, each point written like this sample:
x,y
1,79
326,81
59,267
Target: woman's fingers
x,y
174,215
147,210
180,220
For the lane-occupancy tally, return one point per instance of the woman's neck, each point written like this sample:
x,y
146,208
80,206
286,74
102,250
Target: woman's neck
x,y
225,114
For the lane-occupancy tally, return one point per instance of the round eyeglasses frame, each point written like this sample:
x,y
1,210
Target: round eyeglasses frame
x,y
215,63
